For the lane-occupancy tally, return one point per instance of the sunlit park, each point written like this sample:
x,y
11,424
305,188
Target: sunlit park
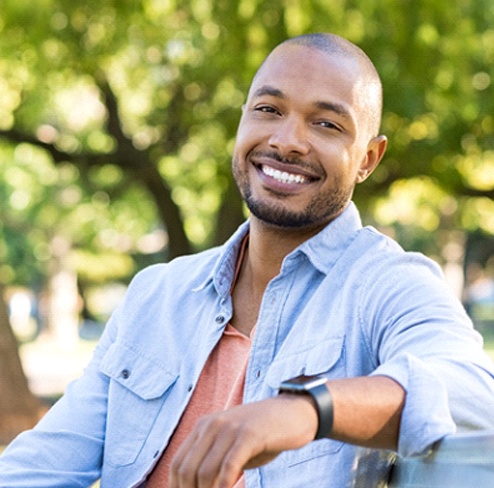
x,y
117,123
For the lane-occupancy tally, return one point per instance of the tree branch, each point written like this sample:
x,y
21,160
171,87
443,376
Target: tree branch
x,y
84,159
137,164
143,168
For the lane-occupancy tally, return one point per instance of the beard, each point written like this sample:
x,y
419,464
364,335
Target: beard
x,y
321,209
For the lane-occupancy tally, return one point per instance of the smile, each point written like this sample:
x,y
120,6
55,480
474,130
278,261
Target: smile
x,y
283,176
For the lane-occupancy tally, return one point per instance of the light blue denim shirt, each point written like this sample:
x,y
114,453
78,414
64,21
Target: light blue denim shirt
x,y
348,302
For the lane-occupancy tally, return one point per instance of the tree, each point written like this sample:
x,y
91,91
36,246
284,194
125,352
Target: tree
x,y
168,80
19,408
43,208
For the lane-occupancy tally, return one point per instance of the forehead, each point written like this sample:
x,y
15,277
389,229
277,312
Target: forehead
x,y
311,75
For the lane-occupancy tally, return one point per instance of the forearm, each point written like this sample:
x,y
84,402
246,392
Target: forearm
x,y
366,410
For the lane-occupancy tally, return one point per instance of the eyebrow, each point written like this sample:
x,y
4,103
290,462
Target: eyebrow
x,y
269,90
334,107
323,105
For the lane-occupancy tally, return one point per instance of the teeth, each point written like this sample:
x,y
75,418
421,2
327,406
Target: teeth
x,y
283,176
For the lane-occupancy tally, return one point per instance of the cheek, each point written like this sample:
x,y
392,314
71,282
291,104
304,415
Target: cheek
x,y
334,157
251,132
240,144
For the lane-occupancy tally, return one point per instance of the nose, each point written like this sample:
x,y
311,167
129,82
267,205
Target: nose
x,y
290,137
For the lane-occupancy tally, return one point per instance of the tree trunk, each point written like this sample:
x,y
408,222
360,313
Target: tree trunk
x,y
178,243
19,408
230,214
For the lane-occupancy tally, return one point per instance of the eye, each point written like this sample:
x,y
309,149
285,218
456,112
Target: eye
x,y
326,124
266,109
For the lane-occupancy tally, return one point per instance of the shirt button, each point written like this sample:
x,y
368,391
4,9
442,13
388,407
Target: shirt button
x,y
258,373
125,374
219,319
190,387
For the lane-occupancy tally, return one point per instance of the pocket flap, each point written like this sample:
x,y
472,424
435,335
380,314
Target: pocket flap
x,y
143,376
323,357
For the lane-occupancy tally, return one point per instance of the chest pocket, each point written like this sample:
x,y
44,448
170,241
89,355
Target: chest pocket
x,y
138,388
326,358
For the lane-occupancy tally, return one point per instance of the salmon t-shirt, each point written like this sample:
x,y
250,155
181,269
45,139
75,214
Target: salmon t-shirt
x,y
220,386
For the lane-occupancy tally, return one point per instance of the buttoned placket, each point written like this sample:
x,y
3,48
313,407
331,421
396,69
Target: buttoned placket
x,y
264,346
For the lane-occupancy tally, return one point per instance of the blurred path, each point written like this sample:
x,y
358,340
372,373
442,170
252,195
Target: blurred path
x,y
50,365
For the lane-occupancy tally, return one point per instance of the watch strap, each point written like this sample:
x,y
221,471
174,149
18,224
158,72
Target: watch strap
x,y
315,386
324,406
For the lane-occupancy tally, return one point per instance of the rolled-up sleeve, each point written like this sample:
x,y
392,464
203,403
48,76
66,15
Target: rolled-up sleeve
x,y
426,416
425,341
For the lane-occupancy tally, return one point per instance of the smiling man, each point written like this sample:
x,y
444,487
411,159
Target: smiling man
x,y
266,361
310,131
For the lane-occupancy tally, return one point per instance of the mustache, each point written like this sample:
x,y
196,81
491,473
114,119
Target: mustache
x,y
278,157
292,160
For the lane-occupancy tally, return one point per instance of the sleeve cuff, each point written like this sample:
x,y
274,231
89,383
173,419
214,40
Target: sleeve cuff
x,y
426,417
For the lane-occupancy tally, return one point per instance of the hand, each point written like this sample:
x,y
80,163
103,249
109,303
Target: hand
x,y
222,445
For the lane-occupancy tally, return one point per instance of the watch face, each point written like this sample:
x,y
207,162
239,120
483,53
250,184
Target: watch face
x,y
303,382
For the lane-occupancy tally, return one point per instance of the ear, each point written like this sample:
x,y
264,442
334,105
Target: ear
x,y
375,152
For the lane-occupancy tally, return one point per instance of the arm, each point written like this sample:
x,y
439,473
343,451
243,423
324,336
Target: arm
x,y
424,340
429,370
366,411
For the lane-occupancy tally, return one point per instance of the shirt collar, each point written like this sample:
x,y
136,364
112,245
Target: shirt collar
x,y
322,250
326,247
224,270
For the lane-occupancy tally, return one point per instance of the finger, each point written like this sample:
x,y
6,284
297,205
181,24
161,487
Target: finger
x,y
245,446
212,464
184,464
189,465
205,454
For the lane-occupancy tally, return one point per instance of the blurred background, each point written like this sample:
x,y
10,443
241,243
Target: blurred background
x,y
117,122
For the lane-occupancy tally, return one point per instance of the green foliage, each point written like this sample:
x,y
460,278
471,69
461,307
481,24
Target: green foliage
x,y
45,207
178,72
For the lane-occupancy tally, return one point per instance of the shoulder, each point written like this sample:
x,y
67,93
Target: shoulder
x,y
190,271
382,255
163,294
384,272
400,281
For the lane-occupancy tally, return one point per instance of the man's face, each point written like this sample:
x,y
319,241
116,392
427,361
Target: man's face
x,y
302,140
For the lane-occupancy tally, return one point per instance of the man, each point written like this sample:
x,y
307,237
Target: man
x,y
299,290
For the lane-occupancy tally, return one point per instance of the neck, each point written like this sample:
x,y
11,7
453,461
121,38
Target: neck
x,y
261,263
268,246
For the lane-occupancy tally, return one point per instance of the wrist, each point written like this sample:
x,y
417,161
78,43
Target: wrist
x,y
305,410
314,389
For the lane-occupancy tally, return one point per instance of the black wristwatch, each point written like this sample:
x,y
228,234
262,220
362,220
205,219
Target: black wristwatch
x,y
316,387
